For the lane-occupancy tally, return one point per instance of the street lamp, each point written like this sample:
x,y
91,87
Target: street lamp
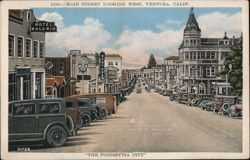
x,y
82,69
230,68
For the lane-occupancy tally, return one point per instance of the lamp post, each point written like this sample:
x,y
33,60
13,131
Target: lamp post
x,y
82,69
230,68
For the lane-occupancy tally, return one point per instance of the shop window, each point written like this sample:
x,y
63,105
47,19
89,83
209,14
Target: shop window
x,y
26,87
11,45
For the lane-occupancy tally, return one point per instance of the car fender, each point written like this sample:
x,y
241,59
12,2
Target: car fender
x,y
72,128
55,123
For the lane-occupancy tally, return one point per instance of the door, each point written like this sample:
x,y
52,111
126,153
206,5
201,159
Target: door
x,y
24,122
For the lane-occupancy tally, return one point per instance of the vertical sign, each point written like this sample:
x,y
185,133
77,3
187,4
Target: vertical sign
x,y
101,65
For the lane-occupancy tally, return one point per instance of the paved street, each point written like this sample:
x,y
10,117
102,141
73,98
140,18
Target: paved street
x,y
149,122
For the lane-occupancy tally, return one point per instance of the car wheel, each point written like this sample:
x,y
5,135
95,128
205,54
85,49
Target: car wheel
x,y
103,113
86,119
56,136
94,116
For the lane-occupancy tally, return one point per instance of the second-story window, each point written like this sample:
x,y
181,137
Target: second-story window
x,y
35,49
28,47
116,63
41,49
199,55
11,45
212,55
20,47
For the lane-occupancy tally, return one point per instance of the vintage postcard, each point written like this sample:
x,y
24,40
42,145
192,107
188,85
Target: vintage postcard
x,y
114,79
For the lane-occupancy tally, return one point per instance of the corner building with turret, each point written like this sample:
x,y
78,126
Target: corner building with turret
x,y
202,60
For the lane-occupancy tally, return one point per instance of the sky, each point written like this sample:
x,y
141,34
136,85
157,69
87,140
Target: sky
x,y
134,33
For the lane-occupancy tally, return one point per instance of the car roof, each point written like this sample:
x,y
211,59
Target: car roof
x,y
38,100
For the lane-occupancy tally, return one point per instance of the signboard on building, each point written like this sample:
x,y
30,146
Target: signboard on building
x,y
43,26
22,71
102,65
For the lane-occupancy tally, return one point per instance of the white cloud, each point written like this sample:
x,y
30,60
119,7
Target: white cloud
x,y
216,23
89,36
135,46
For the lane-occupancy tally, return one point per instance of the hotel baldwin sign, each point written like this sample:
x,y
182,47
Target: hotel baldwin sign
x,y
43,26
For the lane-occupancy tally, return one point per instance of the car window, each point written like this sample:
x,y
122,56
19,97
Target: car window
x,y
229,100
49,108
69,104
24,109
100,100
83,102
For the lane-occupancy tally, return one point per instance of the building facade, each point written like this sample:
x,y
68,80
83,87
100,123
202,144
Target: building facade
x,y
202,59
26,57
172,72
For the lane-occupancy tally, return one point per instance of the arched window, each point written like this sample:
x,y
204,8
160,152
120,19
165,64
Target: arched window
x,y
212,70
194,42
28,16
186,42
191,42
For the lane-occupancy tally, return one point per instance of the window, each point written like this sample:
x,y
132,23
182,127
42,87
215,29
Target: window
x,y
198,70
11,45
193,71
212,55
202,55
49,108
28,47
41,49
100,100
191,42
208,70
35,49
208,55
79,77
83,102
186,70
69,104
20,47
194,55
116,63
24,109
199,55
38,85
213,71
186,42
186,55
27,86
202,88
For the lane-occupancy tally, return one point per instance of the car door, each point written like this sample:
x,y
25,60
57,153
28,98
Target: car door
x,y
24,121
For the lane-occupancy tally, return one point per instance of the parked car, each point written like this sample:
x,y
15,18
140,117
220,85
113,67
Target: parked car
x,y
40,119
138,90
182,98
236,110
206,104
75,115
173,96
223,103
105,100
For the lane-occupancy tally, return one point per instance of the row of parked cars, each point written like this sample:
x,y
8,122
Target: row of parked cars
x,y
53,120
220,104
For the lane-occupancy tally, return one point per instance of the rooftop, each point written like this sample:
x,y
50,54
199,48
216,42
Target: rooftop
x,y
172,58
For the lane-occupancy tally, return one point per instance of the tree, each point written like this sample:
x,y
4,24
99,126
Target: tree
x,y
235,75
151,61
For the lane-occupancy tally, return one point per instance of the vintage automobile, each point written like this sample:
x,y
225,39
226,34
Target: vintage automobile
x,y
236,110
40,120
223,103
182,98
173,96
138,90
206,104
105,100
75,115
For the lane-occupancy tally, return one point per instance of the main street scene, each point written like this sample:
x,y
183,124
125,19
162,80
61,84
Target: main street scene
x,y
140,80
